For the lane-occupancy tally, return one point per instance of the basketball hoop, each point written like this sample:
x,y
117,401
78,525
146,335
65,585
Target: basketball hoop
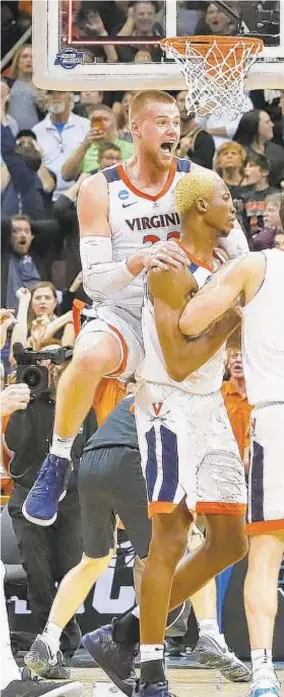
x,y
214,68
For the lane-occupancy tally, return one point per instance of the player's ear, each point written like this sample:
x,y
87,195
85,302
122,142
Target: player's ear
x,y
202,205
136,127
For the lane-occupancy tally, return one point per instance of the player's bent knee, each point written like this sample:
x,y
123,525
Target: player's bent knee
x,y
91,361
239,547
226,551
98,353
232,551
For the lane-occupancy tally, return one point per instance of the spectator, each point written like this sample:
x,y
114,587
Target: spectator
x,y
37,324
272,224
90,25
216,22
229,164
5,98
85,157
114,13
10,30
221,128
123,116
187,19
28,251
238,408
144,55
141,22
58,134
29,187
108,155
47,553
65,210
87,102
195,142
23,97
255,132
18,267
255,193
27,139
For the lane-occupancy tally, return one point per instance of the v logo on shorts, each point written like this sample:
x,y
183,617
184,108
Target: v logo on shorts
x,y
157,406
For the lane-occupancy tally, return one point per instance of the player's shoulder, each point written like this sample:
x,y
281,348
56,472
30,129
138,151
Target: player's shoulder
x,y
95,185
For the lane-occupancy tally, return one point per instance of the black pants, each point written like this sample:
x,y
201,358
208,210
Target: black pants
x,y
47,554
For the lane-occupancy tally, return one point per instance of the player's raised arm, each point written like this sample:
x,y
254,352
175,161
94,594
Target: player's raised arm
x,y
170,291
242,275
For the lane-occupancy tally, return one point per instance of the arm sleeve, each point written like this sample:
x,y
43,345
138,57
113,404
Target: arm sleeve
x,y
101,275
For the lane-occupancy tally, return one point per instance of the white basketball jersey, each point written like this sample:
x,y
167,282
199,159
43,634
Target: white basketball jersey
x,y
263,335
137,219
208,378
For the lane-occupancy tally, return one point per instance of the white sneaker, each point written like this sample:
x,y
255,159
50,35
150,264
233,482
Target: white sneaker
x,y
212,651
265,684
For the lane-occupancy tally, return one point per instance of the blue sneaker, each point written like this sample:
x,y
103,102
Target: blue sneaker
x,y
117,660
265,687
40,506
157,689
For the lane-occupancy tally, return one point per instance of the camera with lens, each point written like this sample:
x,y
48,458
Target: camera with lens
x,y
30,370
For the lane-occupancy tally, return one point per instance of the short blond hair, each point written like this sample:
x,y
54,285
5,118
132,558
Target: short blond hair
x,y
142,99
192,186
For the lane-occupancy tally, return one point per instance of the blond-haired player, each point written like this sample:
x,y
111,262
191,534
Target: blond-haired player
x,y
259,279
123,211
189,455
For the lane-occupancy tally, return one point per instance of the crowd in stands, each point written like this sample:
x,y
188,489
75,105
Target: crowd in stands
x,y
51,141
95,19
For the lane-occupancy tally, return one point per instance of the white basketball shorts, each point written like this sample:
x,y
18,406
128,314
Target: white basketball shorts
x,y
266,471
125,326
188,450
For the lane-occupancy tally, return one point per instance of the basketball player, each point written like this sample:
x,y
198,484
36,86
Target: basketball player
x,y
183,427
110,482
122,211
259,279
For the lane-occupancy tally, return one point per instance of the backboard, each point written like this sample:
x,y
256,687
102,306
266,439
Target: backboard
x,y
91,44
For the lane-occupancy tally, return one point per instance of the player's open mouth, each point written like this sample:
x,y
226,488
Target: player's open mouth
x,y
168,147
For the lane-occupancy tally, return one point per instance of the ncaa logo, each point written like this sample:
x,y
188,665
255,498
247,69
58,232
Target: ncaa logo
x,y
123,195
68,58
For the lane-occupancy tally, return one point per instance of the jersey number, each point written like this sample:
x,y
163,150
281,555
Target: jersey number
x,y
154,238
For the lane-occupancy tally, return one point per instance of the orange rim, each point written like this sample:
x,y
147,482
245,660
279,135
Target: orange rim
x,y
225,44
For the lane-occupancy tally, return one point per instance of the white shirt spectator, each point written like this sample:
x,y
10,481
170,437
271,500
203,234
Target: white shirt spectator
x,y
230,126
59,143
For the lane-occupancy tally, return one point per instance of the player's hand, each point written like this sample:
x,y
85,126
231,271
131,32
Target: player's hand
x,y
15,397
7,319
164,255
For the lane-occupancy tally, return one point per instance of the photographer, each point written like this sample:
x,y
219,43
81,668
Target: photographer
x,y
47,552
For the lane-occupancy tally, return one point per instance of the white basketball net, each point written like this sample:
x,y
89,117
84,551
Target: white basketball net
x,y
215,81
